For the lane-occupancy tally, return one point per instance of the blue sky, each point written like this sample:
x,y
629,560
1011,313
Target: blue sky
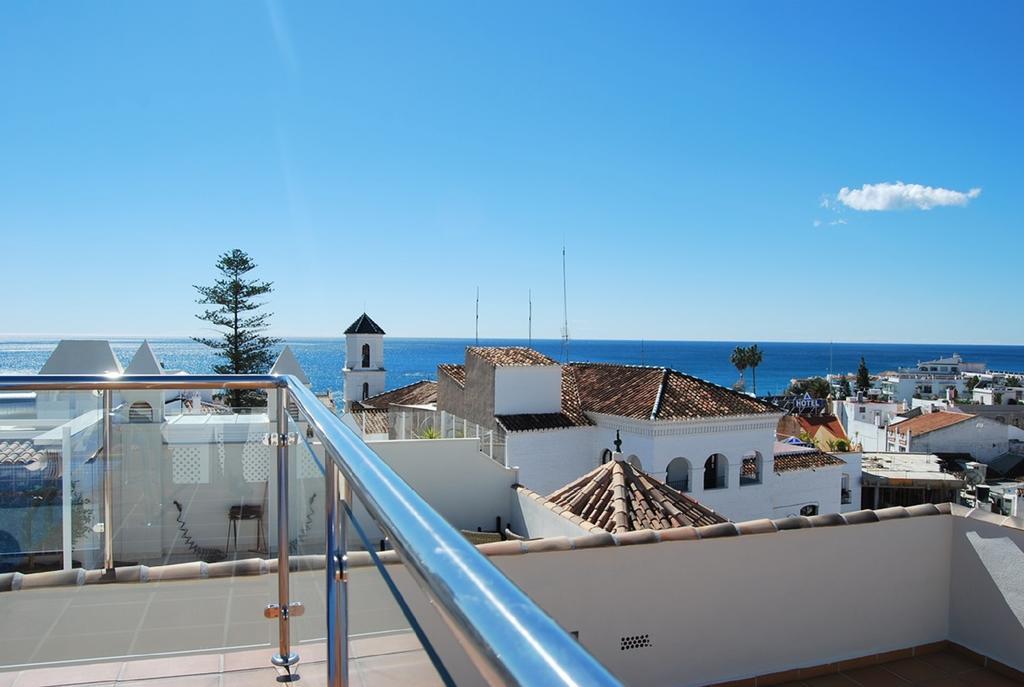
x,y
395,156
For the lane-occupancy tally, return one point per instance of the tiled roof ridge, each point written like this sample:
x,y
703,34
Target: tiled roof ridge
x,y
638,366
15,581
661,393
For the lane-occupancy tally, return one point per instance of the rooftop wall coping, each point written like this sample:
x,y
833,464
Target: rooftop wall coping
x,y
140,574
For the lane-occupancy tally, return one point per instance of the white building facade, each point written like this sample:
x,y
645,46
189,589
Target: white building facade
x,y
865,421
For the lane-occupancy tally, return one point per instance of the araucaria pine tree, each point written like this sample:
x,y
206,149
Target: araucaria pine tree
x,y
863,376
243,345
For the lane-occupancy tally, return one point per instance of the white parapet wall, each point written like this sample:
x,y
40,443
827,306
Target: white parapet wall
x,y
737,607
986,611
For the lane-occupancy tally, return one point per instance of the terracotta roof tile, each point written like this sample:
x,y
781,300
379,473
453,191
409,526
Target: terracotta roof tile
x,y
371,420
618,498
929,422
22,453
657,393
419,393
510,356
830,422
531,422
804,460
13,582
456,372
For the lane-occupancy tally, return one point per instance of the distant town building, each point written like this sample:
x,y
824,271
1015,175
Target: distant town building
x,y
865,421
908,479
940,378
947,432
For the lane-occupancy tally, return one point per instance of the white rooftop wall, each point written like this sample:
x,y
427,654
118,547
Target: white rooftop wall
x,y
527,389
987,589
481,492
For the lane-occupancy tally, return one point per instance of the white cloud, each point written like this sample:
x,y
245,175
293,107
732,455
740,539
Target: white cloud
x,y
817,222
837,221
900,196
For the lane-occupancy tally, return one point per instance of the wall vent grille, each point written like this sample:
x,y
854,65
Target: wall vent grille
x,y
634,642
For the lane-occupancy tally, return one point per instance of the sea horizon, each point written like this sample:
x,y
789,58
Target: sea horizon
x,y
410,359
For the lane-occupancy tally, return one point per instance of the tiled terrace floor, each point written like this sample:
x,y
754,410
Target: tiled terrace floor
x,y
377,662
940,669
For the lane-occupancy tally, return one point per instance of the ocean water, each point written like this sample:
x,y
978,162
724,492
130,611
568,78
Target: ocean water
x,y
409,360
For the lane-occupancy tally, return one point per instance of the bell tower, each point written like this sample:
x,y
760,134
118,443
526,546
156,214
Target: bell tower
x,y
364,360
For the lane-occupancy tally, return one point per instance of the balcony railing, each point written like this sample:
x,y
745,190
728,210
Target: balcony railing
x,y
508,638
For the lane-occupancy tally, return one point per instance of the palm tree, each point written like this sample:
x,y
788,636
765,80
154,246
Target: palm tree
x,y
739,360
754,357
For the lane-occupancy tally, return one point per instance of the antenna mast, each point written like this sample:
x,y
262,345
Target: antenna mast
x,y
529,297
565,313
477,330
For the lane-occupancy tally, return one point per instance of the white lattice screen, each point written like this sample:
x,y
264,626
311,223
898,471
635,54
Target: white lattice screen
x,y
190,464
308,468
255,459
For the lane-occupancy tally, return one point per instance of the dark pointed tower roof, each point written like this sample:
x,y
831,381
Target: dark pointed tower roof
x,y
364,325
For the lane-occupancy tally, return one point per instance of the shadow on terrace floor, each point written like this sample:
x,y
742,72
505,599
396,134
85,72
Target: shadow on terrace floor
x,y
395,659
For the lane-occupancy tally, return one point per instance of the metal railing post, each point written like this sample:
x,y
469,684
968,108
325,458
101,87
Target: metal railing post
x,y
337,579
108,483
285,658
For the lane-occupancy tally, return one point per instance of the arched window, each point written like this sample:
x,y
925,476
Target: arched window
x,y
606,455
366,390
366,355
678,474
809,510
716,471
140,411
752,468
635,462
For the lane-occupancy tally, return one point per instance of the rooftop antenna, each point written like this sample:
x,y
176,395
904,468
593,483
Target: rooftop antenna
x,y
643,357
477,331
529,296
830,358
565,312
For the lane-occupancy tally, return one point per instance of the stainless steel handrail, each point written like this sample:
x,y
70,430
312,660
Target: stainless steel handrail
x,y
507,636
